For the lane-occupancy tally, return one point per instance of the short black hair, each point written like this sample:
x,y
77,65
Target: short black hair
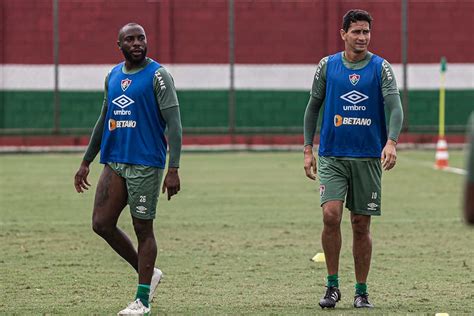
x,y
126,25
355,15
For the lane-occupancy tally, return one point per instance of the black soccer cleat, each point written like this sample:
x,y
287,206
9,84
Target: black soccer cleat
x,y
332,296
362,301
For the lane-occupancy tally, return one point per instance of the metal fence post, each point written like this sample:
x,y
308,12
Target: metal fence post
x,y
57,105
231,100
404,63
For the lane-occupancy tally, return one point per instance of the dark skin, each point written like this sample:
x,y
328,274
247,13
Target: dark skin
x,y
111,194
469,202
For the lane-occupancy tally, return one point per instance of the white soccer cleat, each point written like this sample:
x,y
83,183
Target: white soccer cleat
x,y
155,280
135,308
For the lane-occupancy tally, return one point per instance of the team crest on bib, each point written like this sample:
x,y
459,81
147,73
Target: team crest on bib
x,y
354,79
125,84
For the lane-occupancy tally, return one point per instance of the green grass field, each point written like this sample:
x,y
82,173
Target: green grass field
x,y
236,240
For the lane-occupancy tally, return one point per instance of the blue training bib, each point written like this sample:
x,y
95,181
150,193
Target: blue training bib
x,y
353,123
134,128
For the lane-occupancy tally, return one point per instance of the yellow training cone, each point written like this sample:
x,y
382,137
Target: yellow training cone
x,y
319,257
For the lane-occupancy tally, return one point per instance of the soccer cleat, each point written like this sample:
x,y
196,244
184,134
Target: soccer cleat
x,y
135,308
155,280
332,296
362,301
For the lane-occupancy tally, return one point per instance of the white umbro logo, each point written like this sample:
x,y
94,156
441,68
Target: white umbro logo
x,y
122,101
372,206
354,97
141,209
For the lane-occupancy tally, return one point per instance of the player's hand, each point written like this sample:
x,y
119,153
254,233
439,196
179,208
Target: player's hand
x,y
171,183
389,155
80,179
310,163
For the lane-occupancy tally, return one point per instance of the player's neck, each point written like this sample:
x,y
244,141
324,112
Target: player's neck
x,y
353,57
129,66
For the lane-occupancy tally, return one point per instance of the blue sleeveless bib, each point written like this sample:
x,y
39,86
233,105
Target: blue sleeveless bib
x,y
353,123
134,127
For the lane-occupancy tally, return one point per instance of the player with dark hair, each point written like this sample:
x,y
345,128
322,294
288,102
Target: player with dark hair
x,y
354,16
356,86
140,102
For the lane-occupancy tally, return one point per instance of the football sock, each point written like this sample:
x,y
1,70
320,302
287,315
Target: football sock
x,y
333,280
143,293
361,288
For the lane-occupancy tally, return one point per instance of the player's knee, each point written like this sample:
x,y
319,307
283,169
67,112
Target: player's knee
x,y
360,225
331,218
102,228
143,228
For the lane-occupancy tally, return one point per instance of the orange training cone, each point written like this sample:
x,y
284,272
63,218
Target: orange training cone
x,y
441,154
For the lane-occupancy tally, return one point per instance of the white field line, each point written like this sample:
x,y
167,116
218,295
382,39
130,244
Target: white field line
x,y
432,166
455,170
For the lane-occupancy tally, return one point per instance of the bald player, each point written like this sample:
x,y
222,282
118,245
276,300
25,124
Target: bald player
x,y
140,102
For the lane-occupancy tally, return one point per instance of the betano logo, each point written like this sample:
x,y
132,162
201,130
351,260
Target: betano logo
x,y
339,120
113,124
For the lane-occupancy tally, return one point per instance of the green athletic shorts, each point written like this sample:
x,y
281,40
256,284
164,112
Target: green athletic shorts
x,y
143,187
356,181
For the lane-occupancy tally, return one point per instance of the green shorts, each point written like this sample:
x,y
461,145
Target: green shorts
x,y
356,181
143,187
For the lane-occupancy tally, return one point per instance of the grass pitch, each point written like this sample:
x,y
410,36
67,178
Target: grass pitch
x,y
236,240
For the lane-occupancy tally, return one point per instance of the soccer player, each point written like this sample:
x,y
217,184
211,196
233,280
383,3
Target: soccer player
x,y
469,184
140,102
356,86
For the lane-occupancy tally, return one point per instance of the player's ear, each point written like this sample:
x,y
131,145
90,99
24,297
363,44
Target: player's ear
x,y
342,33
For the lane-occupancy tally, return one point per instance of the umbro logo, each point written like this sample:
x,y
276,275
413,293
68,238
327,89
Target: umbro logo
x,y
141,209
354,97
372,206
122,101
